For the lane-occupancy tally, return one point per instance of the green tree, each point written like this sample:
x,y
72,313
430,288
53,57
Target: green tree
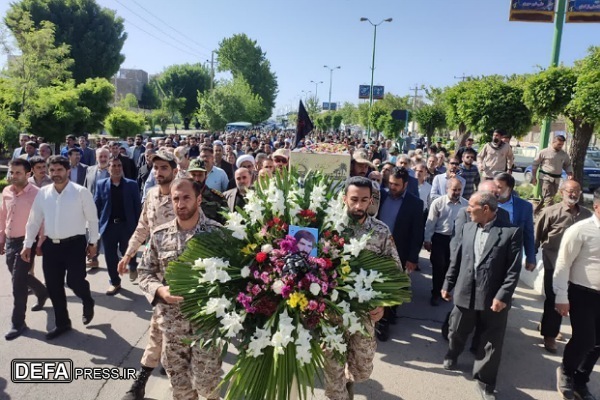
x,y
160,117
548,92
349,113
228,102
583,111
95,94
94,34
336,120
313,108
244,58
40,62
55,112
129,101
184,81
488,103
430,118
123,123
9,127
150,99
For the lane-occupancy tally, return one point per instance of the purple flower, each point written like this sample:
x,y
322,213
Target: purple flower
x,y
286,291
288,244
265,277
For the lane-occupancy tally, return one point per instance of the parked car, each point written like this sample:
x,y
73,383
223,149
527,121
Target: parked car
x,y
593,153
591,175
524,157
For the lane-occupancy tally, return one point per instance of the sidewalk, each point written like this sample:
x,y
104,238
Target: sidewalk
x,y
407,367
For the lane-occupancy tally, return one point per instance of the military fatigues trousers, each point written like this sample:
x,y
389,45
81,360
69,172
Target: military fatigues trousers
x,y
358,367
153,349
192,370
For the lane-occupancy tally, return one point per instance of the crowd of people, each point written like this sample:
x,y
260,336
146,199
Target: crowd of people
x,y
462,208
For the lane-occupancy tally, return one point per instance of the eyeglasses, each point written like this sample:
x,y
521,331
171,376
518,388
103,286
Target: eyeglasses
x,y
454,163
282,160
575,192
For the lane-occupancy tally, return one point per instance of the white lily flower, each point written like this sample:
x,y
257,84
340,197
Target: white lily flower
x,y
260,340
245,272
235,224
232,323
266,248
303,347
217,306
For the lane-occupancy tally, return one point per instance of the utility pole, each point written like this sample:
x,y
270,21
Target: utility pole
x,y
462,78
416,89
212,69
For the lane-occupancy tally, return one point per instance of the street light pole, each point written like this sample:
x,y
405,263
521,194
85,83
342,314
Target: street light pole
x,y
330,83
316,88
363,19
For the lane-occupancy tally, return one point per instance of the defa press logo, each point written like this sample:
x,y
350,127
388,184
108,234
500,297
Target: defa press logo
x,y
62,370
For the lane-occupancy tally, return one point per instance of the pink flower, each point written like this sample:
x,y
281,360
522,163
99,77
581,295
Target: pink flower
x,y
286,291
265,277
288,244
313,305
322,307
255,290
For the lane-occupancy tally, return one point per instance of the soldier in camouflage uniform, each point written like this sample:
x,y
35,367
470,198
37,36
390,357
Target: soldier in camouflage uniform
x,y
213,201
192,370
339,379
157,210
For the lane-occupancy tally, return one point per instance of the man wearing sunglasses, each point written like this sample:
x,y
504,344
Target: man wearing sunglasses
x,y
280,158
439,184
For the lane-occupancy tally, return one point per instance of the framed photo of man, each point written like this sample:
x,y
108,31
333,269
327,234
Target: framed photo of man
x,y
306,239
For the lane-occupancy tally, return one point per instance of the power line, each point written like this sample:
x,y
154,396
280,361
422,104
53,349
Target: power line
x,y
175,30
160,39
160,29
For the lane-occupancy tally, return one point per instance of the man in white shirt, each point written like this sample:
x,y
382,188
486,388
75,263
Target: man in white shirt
x,y
65,209
577,286
438,232
216,178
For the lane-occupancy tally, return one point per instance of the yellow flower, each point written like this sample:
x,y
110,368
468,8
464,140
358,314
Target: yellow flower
x,y
298,300
249,249
345,268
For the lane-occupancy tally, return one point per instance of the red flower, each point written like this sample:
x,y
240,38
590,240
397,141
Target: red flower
x,y
327,234
261,257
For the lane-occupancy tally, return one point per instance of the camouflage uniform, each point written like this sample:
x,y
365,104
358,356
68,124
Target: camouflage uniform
x,y
157,210
213,202
192,370
361,348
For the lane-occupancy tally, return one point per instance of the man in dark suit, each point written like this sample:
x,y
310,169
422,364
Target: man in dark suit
x,y
484,271
78,170
129,169
119,207
521,214
402,212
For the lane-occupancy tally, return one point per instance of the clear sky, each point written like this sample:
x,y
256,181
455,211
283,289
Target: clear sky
x,y
427,43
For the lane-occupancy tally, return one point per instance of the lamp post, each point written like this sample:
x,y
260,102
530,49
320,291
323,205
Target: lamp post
x,y
363,19
330,82
316,87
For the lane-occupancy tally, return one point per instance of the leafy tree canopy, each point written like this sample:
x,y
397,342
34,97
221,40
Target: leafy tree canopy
x,y
430,118
123,123
183,81
94,34
245,59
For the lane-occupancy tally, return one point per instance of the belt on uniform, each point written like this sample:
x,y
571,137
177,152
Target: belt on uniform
x,y
116,220
584,288
549,174
65,240
15,238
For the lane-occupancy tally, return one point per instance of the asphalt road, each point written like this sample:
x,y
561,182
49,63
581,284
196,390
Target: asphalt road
x,y
408,366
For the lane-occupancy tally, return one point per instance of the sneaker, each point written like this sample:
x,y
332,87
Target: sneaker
x,y
449,364
564,384
133,275
113,289
582,393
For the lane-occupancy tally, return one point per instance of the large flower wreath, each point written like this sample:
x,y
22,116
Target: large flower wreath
x,y
248,284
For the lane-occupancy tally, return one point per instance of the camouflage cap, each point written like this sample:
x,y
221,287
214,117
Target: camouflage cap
x,y
164,155
196,165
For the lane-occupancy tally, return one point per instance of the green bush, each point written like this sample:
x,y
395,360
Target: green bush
x,y
3,183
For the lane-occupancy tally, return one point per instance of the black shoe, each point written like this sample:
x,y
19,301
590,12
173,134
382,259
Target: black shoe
x,y
163,371
15,332
485,393
581,392
40,303
350,389
434,301
564,384
138,388
449,364
382,330
88,314
56,332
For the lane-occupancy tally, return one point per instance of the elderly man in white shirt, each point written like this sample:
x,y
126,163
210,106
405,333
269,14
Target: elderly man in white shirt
x,y
438,232
66,210
576,283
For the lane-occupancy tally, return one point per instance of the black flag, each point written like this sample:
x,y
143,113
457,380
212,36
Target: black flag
x,y
303,126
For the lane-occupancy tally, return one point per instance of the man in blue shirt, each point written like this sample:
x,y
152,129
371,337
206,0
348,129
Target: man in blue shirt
x,y
216,178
